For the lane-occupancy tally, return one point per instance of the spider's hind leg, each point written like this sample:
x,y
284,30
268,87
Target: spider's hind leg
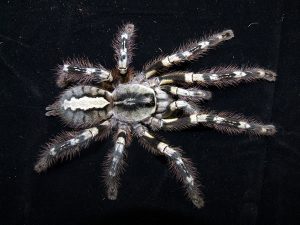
x,y
67,144
114,164
182,167
81,71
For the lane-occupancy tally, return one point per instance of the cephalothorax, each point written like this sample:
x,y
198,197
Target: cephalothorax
x,y
131,103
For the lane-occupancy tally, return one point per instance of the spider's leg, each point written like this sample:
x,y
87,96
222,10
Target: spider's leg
x,y
67,144
182,167
115,161
157,123
218,77
193,94
187,107
81,71
188,52
225,122
123,45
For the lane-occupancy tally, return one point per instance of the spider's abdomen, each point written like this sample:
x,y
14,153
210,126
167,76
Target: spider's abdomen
x,y
83,106
133,102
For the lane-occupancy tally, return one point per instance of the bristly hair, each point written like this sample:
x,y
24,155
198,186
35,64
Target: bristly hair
x,y
254,74
46,160
227,34
192,191
112,182
153,62
255,130
64,79
117,41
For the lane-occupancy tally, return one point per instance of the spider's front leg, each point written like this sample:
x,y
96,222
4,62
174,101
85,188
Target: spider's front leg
x,y
67,144
190,51
115,161
123,45
221,76
81,71
182,167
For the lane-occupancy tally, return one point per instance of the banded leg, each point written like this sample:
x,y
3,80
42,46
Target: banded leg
x,y
193,94
115,162
67,144
123,45
157,123
218,77
188,52
179,165
225,122
81,71
187,107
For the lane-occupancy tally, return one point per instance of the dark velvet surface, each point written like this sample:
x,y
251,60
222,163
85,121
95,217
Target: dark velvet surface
x,y
247,180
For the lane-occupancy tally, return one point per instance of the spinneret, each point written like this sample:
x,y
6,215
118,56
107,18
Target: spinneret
x,y
131,104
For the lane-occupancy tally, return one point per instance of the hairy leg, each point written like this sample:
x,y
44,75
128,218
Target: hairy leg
x,y
157,123
181,166
81,71
218,76
123,45
114,164
68,144
190,51
193,94
225,122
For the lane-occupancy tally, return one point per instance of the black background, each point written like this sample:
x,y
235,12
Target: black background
x,y
247,180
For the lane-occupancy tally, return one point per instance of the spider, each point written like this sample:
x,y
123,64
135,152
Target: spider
x,y
132,103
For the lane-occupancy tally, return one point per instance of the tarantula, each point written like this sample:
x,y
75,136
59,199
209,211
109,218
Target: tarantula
x,y
135,103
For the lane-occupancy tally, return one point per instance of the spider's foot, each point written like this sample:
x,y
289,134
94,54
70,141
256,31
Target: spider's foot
x,y
267,74
43,163
198,201
112,192
226,35
266,130
39,168
195,196
207,95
